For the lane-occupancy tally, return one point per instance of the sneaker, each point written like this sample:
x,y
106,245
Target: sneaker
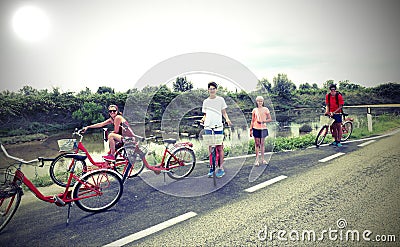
x,y
210,174
220,173
339,145
333,143
109,157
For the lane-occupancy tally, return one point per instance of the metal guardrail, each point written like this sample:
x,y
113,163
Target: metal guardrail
x,y
369,116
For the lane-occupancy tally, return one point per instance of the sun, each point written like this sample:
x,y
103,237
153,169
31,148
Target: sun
x,y
31,23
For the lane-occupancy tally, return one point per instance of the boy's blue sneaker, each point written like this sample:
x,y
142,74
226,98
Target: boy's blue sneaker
x,y
333,143
220,173
339,145
210,174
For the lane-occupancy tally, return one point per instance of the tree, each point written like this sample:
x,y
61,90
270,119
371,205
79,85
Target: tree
x,y
85,92
104,89
283,87
348,85
264,85
90,113
28,90
305,86
327,83
182,85
388,91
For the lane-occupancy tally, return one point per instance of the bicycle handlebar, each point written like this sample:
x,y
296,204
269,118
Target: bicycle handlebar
x,y
198,123
19,159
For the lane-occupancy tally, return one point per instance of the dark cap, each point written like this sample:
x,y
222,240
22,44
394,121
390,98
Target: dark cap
x,y
332,86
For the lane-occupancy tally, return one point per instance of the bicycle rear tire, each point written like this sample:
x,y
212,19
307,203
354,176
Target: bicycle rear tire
x,y
186,155
8,207
59,169
347,129
103,188
321,135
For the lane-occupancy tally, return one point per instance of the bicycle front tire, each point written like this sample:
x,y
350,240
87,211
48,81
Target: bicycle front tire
x,y
214,164
321,136
188,157
122,160
347,129
8,207
98,190
60,166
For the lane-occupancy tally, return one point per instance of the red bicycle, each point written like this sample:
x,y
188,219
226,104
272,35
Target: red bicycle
x,y
95,191
61,165
178,159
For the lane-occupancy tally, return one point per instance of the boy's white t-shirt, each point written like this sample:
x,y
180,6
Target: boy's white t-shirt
x,y
212,108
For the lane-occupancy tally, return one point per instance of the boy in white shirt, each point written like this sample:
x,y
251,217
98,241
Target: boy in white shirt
x,y
214,107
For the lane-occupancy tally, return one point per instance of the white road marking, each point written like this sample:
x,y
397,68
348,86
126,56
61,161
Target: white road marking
x,y
331,157
265,184
151,230
365,143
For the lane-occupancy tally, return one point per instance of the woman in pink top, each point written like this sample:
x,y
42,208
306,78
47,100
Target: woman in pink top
x,y
260,116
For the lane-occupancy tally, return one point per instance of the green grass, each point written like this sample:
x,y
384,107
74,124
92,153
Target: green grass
x,y
380,125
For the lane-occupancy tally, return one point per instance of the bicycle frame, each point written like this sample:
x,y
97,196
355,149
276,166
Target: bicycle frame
x,y
65,196
161,166
81,147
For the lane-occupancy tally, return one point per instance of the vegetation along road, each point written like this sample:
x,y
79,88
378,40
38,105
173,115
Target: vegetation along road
x,y
305,198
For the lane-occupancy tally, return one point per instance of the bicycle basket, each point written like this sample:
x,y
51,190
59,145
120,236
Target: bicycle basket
x,y
209,140
66,144
7,187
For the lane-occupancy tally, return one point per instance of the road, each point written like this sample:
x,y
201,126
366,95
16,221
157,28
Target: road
x,y
351,200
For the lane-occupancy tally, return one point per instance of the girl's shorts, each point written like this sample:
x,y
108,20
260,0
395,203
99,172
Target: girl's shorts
x,y
260,133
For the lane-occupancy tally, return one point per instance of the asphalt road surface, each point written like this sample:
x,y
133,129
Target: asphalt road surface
x,y
328,196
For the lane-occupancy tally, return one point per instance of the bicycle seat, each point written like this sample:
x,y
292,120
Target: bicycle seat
x,y
76,156
170,141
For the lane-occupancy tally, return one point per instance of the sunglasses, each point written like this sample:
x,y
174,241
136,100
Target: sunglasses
x,y
112,111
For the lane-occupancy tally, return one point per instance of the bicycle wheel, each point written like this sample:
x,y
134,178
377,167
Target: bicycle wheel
x,y
60,167
8,207
121,158
98,190
321,135
181,163
214,164
347,129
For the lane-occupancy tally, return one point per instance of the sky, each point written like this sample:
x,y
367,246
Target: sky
x,y
77,44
